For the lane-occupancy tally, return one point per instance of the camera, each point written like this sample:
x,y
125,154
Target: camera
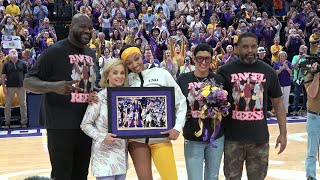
x,y
306,65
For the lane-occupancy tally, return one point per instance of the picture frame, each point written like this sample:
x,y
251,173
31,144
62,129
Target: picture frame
x,y
140,112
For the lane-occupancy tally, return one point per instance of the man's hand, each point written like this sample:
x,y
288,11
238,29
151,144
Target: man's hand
x,y
173,134
110,138
65,87
93,98
282,140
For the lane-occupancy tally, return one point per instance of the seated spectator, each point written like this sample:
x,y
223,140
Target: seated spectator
x,y
40,11
105,57
190,16
100,43
12,9
133,23
118,9
131,10
46,26
314,41
9,25
294,41
26,39
2,10
129,39
262,55
44,41
197,24
169,64
143,12
216,61
187,67
150,59
275,49
26,57
149,19
25,26
26,11
84,5
193,41
229,56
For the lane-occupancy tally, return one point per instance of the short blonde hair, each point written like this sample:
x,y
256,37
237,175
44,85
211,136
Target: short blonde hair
x,y
282,52
111,64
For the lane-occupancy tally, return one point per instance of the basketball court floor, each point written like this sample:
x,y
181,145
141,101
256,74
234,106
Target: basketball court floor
x,y
23,153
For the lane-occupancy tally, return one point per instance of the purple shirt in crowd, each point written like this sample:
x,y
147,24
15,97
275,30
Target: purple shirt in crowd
x,y
284,76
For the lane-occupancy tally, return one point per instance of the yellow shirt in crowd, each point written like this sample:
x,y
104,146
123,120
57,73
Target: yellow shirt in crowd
x,y
313,47
278,48
14,10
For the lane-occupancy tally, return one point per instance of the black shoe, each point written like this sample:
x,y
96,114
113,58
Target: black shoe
x,y
311,178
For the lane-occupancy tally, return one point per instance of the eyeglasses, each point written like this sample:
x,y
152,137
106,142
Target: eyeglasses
x,y
200,59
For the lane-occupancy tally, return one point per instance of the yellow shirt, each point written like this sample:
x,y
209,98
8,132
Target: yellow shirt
x,y
235,48
14,10
275,57
211,26
313,47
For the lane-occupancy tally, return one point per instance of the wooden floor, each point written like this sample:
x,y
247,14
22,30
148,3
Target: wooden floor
x,y
26,156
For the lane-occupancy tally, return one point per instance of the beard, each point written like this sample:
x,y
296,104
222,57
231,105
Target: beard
x,y
246,59
81,37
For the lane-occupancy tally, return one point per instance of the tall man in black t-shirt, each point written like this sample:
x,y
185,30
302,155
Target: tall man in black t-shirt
x,y
60,75
13,73
246,130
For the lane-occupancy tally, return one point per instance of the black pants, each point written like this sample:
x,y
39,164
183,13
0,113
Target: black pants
x,y
69,152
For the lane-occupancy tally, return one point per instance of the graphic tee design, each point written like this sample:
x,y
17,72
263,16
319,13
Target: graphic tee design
x,y
193,98
83,72
247,93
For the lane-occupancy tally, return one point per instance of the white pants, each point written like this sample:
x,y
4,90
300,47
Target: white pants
x,y
285,96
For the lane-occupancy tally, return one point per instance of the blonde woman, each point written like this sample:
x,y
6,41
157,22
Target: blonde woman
x,y
109,159
284,71
170,65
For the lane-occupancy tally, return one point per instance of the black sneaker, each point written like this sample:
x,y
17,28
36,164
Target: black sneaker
x,y
311,178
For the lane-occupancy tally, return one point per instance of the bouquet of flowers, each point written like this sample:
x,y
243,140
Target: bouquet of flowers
x,y
213,100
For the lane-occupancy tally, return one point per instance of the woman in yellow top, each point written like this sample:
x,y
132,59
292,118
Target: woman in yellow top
x,y
214,20
177,53
235,42
275,49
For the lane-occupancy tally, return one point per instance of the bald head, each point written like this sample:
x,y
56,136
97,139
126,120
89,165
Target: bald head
x,y
80,17
80,30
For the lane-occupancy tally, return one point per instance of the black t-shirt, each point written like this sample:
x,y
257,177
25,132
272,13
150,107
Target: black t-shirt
x,y
190,87
249,87
65,62
15,73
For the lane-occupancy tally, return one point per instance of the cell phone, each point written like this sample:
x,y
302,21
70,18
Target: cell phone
x,y
187,62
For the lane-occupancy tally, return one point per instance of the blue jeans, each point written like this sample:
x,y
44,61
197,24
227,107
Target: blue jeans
x,y
313,130
297,92
197,152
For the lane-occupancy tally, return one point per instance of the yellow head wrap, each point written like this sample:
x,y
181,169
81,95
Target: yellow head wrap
x,y
127,52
